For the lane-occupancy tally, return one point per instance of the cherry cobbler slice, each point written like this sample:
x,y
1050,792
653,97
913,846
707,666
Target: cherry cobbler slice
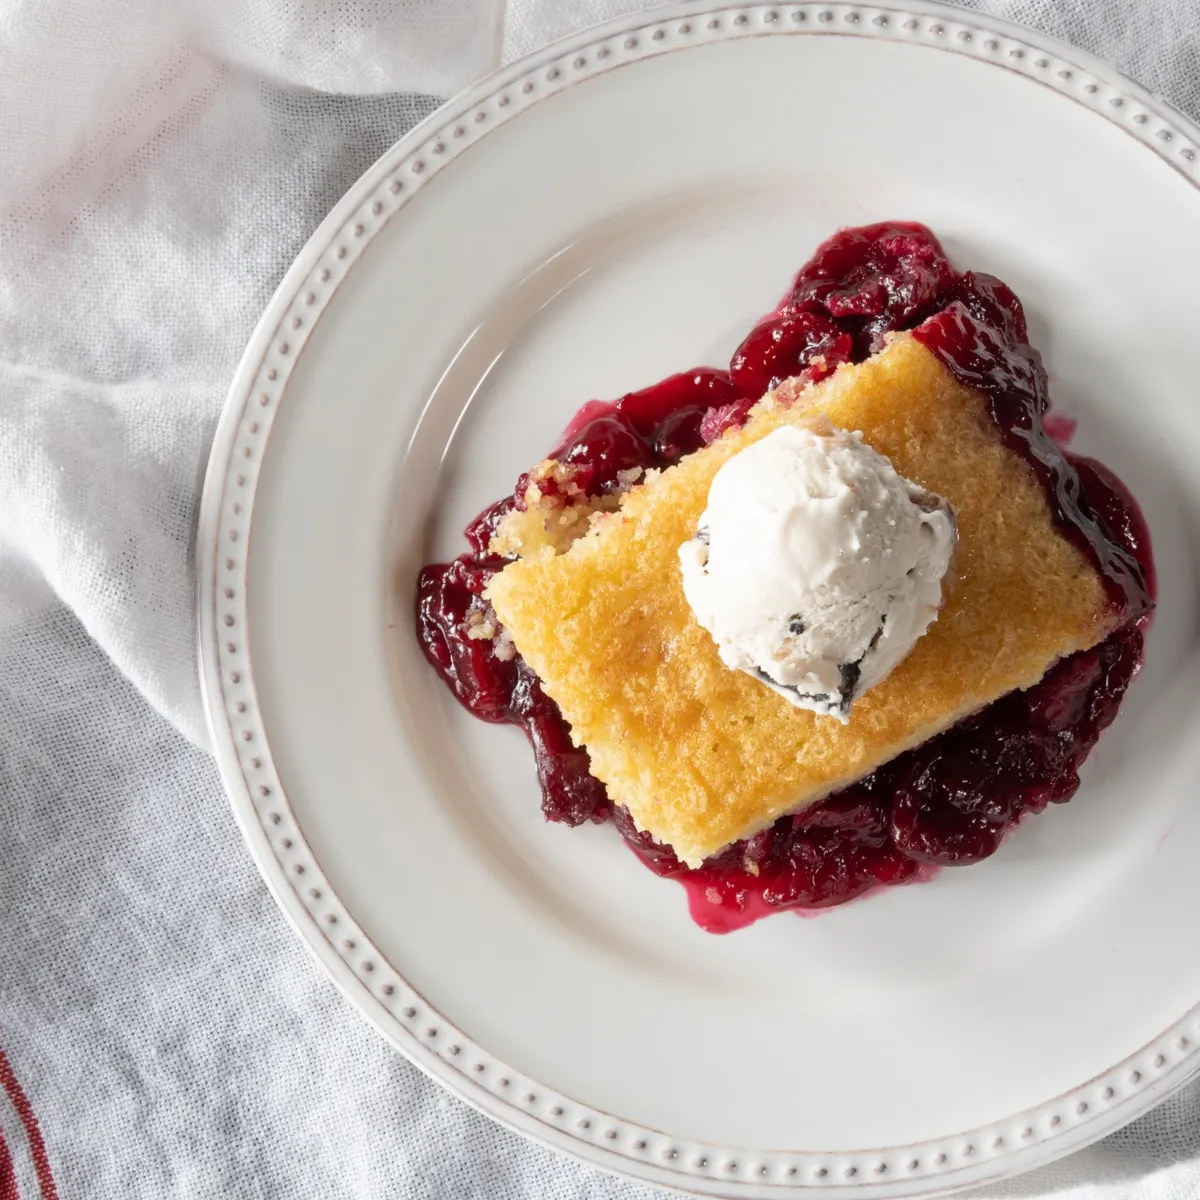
x,y
801,627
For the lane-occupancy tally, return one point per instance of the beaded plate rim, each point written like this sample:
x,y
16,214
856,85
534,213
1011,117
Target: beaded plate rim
x,y
1018,1143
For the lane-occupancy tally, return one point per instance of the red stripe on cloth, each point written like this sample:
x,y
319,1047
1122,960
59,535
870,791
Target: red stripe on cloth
x,y
37,1148
8,1177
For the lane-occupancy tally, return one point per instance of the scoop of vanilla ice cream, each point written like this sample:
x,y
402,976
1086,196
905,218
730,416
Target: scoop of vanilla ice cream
x,y
816,566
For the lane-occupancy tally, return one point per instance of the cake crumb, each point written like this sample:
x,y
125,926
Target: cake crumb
x,y
504,648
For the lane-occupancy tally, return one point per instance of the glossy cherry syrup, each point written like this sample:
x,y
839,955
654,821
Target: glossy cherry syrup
x,y
952,799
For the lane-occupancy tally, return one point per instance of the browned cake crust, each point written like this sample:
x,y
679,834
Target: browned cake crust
x,y
702,755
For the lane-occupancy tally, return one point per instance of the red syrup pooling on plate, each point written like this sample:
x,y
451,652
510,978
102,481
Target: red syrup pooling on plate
x,y
948,801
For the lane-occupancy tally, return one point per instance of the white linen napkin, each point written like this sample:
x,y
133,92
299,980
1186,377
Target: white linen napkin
x,y
162,1033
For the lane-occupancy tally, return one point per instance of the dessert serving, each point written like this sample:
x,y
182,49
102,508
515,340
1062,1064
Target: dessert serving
x,y
822,621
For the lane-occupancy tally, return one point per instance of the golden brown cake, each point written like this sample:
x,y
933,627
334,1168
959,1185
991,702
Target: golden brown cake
x,y
702,755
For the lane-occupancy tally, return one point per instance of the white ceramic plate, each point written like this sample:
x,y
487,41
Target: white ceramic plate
x,y
569,230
